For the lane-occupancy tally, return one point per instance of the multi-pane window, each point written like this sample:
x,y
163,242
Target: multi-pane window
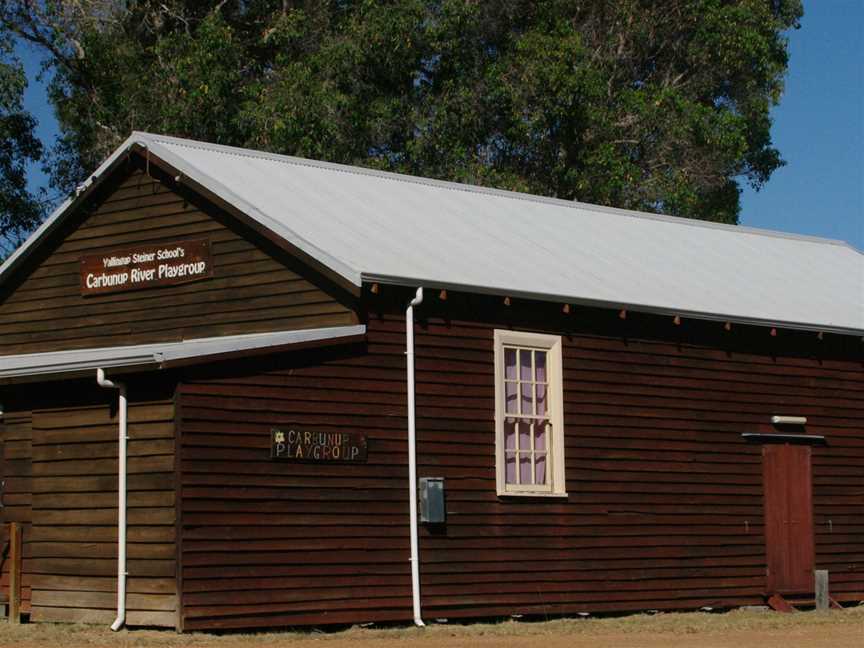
x,y
526,424
528,413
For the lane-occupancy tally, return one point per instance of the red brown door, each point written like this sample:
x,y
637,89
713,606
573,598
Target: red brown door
x,y
789,540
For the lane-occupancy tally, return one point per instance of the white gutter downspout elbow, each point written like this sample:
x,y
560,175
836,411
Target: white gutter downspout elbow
x,y
121,496
412,457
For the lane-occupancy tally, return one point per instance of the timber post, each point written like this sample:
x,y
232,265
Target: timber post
x,y
14,573
822,600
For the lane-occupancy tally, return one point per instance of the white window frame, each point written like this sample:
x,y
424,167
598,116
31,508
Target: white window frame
x,y
555,401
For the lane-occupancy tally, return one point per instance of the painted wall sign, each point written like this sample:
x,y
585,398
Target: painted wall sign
x,y
146,266
303,445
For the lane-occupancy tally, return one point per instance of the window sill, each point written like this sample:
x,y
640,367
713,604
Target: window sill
x,y
529,494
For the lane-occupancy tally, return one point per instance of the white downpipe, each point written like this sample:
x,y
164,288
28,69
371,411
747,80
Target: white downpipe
x,y
121,496
412,457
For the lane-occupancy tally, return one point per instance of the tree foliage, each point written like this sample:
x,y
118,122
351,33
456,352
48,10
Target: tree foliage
x,y
20,211
658,105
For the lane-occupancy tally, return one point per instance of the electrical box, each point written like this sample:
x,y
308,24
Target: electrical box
x,y
431,498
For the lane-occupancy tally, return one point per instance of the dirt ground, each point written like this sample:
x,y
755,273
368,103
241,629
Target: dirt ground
x,y
736,629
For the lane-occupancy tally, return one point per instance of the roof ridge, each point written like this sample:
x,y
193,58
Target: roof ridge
x,y
504,193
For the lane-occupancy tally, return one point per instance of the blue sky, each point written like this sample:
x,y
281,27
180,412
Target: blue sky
x,y
818,127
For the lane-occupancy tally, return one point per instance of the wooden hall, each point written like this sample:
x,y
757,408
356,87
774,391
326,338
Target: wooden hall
x,y
244,390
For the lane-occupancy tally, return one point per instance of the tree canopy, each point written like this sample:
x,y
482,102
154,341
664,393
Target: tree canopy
x,y
657,105
20,210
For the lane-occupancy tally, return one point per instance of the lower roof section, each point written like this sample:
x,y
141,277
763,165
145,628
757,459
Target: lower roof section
x,y
163,355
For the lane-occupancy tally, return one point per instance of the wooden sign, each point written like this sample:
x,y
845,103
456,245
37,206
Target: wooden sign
x,y
325,447
146,266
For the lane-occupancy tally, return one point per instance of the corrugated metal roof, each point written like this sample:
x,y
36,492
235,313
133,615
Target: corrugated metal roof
x,y
161,354
373,226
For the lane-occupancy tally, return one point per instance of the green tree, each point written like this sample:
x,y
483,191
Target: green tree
x,y
20,211
657,105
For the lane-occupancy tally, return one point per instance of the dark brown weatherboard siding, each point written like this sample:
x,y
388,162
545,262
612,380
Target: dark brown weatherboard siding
x,y
665,498
16,470
267,543
255,288
69,507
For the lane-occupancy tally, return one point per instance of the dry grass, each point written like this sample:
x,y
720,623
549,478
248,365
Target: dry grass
x,y
738,629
